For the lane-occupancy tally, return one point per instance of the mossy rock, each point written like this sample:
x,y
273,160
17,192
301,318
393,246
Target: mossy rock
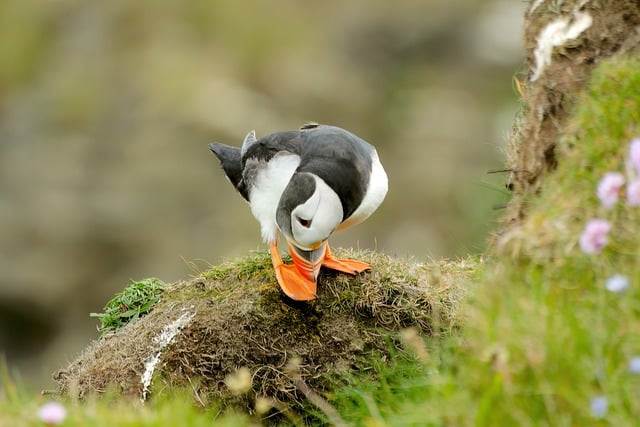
x,y
235,316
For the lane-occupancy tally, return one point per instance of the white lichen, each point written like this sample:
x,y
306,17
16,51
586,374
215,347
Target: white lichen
x,y
535,5
555,34
161,341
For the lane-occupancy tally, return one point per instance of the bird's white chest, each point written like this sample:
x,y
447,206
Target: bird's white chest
x,y
271,179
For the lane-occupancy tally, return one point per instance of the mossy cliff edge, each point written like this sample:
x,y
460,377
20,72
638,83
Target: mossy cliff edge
x,y
235,316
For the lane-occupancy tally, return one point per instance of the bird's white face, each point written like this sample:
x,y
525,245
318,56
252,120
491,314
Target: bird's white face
x,y
313,221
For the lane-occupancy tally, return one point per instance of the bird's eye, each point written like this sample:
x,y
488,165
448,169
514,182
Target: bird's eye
x,y
306,223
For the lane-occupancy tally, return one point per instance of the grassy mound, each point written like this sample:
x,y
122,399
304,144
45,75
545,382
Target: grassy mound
x,y
231,335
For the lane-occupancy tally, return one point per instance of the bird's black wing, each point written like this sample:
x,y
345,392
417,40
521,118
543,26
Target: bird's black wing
x,y
341,159
268,146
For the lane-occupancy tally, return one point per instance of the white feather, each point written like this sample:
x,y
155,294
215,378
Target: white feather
x,y
249,140
271,180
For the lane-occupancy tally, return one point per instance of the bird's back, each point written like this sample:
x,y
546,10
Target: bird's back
x,y
341,159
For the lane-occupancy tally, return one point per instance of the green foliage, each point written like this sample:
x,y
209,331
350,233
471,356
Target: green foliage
x,y
550,335
19,408
379,395
256,264
134,301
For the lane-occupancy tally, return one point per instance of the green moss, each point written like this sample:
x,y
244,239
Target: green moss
x,y
255,265
134,301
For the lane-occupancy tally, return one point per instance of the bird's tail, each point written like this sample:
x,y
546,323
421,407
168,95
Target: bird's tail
x,y
231,163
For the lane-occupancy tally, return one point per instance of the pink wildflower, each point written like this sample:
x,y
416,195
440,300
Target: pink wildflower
x,y
633,193
52,413
609,188
634,154
594,237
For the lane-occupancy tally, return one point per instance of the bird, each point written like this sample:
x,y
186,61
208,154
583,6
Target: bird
x,y
306,184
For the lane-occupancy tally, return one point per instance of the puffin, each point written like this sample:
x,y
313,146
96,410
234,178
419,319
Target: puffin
x,y
306,184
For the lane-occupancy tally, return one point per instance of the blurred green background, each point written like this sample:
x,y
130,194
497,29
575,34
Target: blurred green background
x,y
106,109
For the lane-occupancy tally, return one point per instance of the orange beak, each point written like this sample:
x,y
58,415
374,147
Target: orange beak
x,y
308,263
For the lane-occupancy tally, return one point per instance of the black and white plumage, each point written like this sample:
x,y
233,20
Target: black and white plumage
x,y
307,184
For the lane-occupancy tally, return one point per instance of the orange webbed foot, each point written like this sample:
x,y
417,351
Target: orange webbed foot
x,y
348,266
292,283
